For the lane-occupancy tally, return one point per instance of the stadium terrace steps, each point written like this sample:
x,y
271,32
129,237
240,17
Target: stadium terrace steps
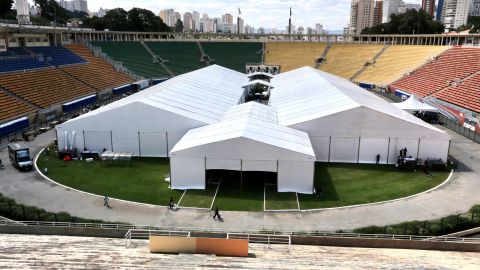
x,y
234,55
57,55
396,61
466,94
97,73
133,56
182,57
293,55
12,107
345,60
44,87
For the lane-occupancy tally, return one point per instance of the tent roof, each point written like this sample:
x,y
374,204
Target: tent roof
x,y
260,74
203,95
414,104
306,93
258,82
248,125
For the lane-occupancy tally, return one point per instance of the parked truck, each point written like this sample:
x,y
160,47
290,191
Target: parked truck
x,y
19,155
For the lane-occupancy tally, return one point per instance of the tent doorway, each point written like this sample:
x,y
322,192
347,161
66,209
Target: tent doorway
x,y
239,179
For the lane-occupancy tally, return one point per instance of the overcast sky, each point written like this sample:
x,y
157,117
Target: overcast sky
x,y
333,14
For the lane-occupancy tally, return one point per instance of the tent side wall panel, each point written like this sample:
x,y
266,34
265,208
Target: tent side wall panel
x,y
259,165
223,164
126,142
187,173
321,147
296,176
153,144
344,150
433,149
98,140
397,144
370,148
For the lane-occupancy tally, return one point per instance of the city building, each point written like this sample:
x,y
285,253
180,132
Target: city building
x,y
100,13
390,7
429,7
404,7
169,17
227,19
456,13
440,9
196,20
241,28
74,5
319,29
23,12
188,23
378,12
475,10
361,15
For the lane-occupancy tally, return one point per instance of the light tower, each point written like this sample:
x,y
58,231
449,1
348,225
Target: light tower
x,y
290,22
23,12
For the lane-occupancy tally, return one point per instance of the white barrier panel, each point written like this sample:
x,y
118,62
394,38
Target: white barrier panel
x,y
98,140
126,142
295,176
344,150
321,146
187,173
153,144
370,148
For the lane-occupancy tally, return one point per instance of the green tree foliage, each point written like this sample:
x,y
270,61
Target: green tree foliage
x,y
179,26
410,22
473,25
5,6
51,11
116,20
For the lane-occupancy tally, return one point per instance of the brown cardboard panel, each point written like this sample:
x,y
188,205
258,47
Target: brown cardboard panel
x,y
223,247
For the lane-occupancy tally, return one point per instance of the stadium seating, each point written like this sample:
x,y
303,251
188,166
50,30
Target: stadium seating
x,y
44,87
293,55
12,107
396,61
345,60
182,57
466,94
8,65
234,55
57,55
133,56
453,65
97,73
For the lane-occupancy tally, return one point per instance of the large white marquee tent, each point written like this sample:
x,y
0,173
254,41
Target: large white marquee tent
x,y
200,120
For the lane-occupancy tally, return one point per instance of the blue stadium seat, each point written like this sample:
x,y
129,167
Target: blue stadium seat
x,y
58,55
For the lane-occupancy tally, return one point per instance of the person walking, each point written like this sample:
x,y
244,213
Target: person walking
x,y
378,159
217,214
171,204
105,201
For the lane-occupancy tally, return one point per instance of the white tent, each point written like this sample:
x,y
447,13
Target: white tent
x,y
247,139
413,104
151,122
348,124
266,74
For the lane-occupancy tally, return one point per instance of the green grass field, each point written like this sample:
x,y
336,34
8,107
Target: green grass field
x,y
342,185
350,184
199,198
143,182
279,200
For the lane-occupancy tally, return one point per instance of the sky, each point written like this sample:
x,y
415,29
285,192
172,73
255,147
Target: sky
x,y
332,14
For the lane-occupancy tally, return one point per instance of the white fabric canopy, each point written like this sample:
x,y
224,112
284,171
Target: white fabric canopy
x,y
413,104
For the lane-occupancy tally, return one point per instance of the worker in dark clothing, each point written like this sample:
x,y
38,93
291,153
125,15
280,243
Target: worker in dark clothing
x,y
378,159
216,214
425,168
171,204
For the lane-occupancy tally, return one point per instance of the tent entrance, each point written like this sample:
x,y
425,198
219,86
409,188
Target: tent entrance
x,y
241,179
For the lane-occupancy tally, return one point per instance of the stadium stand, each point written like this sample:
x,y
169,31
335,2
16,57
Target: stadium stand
x,y
182,57
396,61
293,55
345,60
453,65
17,58
133,56
44,87
234,55
12,107
57,55
466,94
97,73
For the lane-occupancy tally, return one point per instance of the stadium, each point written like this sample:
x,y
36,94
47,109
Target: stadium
x,y
311,146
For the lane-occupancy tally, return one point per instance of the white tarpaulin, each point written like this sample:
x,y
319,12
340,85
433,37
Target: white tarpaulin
x,y
413,104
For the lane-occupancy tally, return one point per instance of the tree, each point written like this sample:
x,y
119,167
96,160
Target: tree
x,y
179,26
144,20
116,20
95,23
52,11
5,6
410,22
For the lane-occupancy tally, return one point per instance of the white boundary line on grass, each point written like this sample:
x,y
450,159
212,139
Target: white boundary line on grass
x,y
183,194
96,195
215,196
306,210
264,196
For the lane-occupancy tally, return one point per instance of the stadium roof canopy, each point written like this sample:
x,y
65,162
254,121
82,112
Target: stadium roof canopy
x,y
413,104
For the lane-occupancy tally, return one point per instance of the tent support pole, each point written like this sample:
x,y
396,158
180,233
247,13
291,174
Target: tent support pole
x,y
166,139
358,154
111,139
329,149
418,148
388,150
139,145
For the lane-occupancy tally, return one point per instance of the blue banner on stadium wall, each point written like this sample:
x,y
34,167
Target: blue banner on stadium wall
x,y
14,126
79,103
366,86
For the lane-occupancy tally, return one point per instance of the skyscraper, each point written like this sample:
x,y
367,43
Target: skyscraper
x,y
456,13
429,7
440,9
169,17
378,12
361,15
188,24
23,12
390,7
475,11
